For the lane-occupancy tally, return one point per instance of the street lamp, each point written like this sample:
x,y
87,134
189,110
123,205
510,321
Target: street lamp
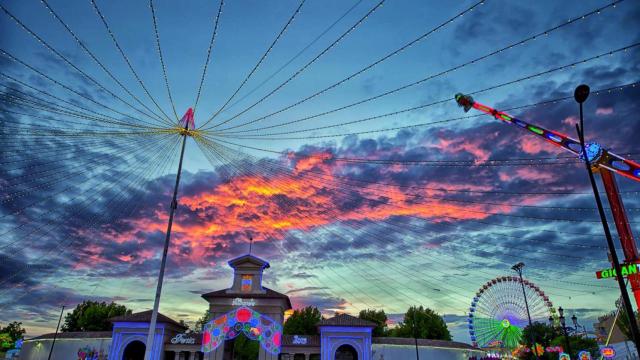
x,y
564,328
577,326
518,268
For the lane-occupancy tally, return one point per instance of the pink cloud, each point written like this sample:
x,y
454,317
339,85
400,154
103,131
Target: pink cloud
x,y
457,145
532,145
570,120
604,111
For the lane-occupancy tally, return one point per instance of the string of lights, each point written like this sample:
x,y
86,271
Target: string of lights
x,y
314,177
164,151
257,65
164,68
304,67
66,87
396,128
446,100
350,224
367,278
214,33
83,110
386,57
296,56
447,71
127,61
97,61
90,78
472,191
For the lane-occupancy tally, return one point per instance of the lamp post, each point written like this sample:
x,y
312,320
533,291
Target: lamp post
x,y
518,268
564,328
580,95
415,335
55,335
577,326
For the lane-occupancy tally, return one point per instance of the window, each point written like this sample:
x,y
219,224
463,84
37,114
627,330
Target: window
x,y
247,281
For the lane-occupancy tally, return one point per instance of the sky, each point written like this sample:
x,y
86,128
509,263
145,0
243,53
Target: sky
x,y
346,161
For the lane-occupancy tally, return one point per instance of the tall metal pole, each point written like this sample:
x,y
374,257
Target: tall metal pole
x,y
581,93
518,268
55,335
156,302
563,324
415,334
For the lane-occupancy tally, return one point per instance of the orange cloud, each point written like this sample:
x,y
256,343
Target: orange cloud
x,y
308,196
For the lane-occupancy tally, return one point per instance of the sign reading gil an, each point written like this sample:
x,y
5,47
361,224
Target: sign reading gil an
x,y
626,270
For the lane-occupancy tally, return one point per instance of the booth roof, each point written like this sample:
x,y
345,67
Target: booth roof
x,y
346,320
269,294
144,317
422,342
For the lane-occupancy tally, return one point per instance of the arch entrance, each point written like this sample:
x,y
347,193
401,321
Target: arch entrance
x,y
346,352
245,321
134,351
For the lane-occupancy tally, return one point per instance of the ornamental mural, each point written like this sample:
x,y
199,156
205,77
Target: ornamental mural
x,y
87,353
251,323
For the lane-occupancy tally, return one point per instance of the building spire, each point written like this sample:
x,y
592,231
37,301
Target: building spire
x,y
250,243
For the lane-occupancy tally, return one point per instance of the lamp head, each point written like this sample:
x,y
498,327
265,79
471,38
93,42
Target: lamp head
x,y
581,93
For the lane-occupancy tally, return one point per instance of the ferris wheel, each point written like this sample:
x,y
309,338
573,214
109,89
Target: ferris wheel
x,y
498,313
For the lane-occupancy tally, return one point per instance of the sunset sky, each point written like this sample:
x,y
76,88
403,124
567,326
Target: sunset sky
x,y
399,200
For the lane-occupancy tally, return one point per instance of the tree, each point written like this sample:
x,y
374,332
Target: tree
x,y
543,335
547,336
200,323
303,322
10,334
93,316
624,325
428,325
378,317
578,343
245,349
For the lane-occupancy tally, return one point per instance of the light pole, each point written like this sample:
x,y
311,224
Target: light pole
x,y
518,268
188,120
577,326
580,95
415,334
564,329
55,335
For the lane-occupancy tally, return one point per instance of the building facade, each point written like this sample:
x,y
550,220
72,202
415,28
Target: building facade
x,y
246,309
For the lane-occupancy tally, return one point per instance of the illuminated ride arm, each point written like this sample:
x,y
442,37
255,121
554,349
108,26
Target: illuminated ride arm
x,y
597,155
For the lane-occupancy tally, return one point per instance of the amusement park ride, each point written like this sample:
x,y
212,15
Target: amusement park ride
x,y
602,161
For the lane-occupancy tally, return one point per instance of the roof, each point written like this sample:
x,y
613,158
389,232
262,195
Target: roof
x,y
145,316
312,340
75,335
269,294
346,320
422,342
248,258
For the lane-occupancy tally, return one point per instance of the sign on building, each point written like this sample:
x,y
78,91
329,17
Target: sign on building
x,y
183,339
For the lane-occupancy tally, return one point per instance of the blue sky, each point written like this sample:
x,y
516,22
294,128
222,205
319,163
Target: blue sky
x,y
379,236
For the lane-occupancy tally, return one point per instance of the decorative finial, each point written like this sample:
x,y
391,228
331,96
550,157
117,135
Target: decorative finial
x,y
250,243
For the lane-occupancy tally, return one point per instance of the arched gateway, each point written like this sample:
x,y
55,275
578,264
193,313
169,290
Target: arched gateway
x,y
243,320
247,309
